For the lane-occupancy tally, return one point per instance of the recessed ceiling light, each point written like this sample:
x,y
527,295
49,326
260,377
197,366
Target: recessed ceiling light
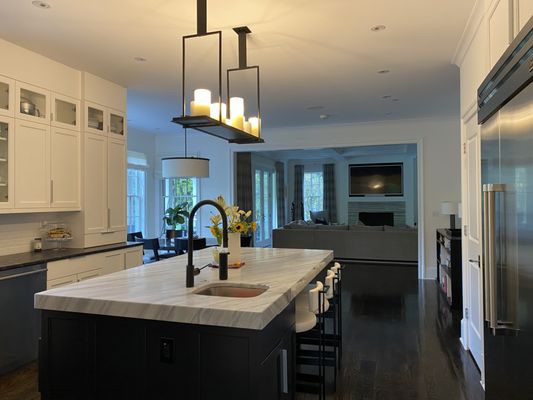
x,y
40,4
387,96
140,59
395,99
324,116
383,71
314,107
378,28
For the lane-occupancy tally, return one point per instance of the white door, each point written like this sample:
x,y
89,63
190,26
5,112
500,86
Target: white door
x,y
264,206
472,241
116,184
32,165
95,183
65,168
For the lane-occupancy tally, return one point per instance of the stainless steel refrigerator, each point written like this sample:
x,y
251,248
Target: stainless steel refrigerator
x,y
505,112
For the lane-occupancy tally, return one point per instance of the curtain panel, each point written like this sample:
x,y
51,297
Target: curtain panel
x,y
298,192
280,193
244,181
330,195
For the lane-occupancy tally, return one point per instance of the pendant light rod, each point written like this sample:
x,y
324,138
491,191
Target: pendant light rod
x,y
185,142
201,17
242,31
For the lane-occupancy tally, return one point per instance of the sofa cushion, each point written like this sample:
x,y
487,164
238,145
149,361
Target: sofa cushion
x,y
319,217
365,228
332,227
399,228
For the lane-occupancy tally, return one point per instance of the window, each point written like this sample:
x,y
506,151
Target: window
x,y
137,166
181,190
136,200
313,192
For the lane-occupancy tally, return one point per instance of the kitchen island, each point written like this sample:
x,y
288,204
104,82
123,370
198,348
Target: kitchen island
x,y
141,333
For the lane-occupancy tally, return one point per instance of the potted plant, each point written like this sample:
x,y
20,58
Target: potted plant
x,y
175,216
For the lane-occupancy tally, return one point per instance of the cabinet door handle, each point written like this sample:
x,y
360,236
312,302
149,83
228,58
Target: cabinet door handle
x,y
108,218
284,371
51,191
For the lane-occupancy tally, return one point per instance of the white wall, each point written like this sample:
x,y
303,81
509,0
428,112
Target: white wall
x,y
220,165
440,172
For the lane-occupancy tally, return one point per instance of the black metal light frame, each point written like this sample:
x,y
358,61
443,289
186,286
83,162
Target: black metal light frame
x,y
242,31
205,123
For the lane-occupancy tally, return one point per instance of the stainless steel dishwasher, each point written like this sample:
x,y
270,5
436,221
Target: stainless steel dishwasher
x,y
20,325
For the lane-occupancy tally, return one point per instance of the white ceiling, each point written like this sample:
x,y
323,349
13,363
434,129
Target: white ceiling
x,y
311,52
340,154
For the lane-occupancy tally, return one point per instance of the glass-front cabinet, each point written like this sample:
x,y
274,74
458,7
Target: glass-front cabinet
x,y
65,112
33,103
116,123
6,161
95,118
7,96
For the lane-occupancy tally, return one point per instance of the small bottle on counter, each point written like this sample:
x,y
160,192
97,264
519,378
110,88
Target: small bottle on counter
x,y
37,244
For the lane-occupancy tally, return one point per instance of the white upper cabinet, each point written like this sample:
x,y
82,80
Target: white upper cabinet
x,y
116,185
65,112
499,30
64,168
95,118
525,12
32,103
7,97
6,162
96,210
117,124
32,165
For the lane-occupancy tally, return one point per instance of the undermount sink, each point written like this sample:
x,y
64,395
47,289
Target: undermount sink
x,y
231,290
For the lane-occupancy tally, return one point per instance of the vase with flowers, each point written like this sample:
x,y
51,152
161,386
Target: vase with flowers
x,y
239,223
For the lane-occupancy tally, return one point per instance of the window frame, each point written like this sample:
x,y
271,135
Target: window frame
x,y
312,171
144,208
195,199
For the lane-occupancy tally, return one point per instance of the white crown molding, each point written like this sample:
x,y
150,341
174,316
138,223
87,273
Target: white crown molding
x,y
472,26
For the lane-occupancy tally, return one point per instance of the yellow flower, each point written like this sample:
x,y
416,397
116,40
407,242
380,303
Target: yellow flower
x,y
214,231
239,227
254,226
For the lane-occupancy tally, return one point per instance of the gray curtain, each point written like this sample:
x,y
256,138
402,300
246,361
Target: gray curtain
x,y
280,195
330,195
299,192
244,181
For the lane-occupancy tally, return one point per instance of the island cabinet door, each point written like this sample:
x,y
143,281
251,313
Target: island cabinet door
x,y
275,374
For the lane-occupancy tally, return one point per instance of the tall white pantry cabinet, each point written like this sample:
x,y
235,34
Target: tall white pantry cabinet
x,y
62,146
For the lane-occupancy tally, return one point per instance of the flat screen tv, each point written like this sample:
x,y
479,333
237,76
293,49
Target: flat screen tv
x,y
376,179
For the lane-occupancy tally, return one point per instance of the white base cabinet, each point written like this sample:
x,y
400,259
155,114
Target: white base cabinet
x,y
77,269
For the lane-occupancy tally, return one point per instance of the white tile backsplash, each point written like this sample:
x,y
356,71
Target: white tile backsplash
x,y
17,231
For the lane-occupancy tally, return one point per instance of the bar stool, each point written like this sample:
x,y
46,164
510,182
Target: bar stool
x,y
337,307
310,308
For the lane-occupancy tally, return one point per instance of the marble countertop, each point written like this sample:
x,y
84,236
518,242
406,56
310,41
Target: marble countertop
x,y
157,291
19,260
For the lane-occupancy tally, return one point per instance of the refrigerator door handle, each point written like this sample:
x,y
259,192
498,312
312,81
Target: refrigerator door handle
x,y
489,253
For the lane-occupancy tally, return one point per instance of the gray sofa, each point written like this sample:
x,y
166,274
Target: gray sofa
x,y
374,243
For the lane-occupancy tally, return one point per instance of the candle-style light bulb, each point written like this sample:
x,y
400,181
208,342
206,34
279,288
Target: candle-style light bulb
x,y
254,125
236,106
215,111
201,105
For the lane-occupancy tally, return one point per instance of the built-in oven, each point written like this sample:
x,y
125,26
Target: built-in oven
x,y
20,325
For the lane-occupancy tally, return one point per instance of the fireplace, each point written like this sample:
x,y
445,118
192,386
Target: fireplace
x,y
377,218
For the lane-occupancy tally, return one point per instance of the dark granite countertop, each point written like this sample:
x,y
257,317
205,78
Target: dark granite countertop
x,y
25,259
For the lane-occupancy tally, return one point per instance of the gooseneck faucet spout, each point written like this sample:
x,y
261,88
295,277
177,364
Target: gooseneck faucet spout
x,y
223,267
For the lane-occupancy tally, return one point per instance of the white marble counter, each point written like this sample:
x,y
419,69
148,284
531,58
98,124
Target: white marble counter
x,y
157,291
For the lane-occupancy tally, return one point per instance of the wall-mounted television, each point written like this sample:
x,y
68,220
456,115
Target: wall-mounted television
x,y
376,179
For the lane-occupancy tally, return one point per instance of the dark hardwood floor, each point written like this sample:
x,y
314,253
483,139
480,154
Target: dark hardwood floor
x,y
396,346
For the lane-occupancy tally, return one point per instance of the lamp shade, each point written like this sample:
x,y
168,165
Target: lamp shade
x,y
185,167
448,208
